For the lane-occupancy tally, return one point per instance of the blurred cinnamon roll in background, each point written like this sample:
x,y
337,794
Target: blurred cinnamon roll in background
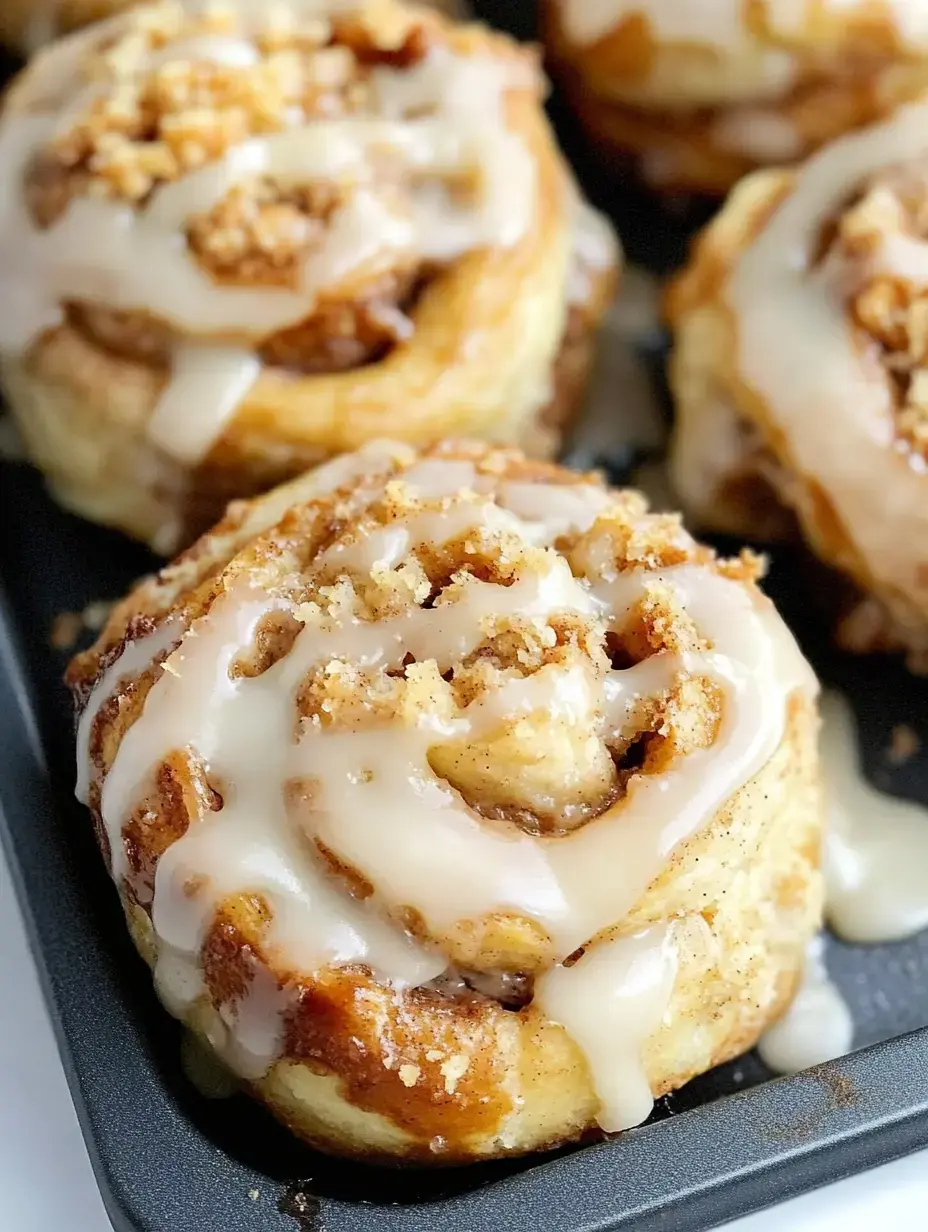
x,y
237,240
459,804
800,370
699,92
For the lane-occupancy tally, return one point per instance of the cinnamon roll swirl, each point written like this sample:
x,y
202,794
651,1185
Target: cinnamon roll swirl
x,y
799,370
458,803
28,25
235,241
700,92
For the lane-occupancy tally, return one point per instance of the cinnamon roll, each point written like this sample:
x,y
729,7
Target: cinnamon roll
x,y
235,241
800,364
28,25
700,92
458,803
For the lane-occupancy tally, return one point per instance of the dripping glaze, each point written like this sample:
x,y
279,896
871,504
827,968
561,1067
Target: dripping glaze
x,y
380,807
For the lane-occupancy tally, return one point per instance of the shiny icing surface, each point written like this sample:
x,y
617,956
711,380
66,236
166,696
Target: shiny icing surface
x,y
610,1001
379,806
723,23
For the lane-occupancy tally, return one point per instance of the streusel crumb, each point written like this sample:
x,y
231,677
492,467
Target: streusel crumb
x,y
893,311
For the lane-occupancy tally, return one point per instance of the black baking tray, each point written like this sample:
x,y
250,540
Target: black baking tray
x,y
168,1160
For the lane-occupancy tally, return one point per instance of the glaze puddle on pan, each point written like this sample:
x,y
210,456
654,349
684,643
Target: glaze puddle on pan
x,y
170,1160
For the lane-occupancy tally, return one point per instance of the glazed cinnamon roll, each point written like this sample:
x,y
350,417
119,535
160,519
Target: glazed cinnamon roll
x,y
800,370
699,92
458,803
235,241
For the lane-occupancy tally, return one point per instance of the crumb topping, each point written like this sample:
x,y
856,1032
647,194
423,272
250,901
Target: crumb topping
x,y
890,310
157,105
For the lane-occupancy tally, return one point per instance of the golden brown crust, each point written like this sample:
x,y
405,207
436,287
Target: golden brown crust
x,y
451,1072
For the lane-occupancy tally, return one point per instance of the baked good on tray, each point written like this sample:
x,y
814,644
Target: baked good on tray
x,y
459,803
699,92
26,24
237,240
799,370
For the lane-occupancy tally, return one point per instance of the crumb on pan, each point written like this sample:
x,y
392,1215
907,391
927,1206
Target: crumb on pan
x,y
904,744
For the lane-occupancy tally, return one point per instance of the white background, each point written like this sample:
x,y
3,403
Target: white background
x,y
46,1184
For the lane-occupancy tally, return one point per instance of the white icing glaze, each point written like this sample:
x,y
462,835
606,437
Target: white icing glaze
x,y
135,656
243,728
207,384
797,349
377,804
817,1026
442,117
550,511
876,850
109,253
610,1002
552,880
676,21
